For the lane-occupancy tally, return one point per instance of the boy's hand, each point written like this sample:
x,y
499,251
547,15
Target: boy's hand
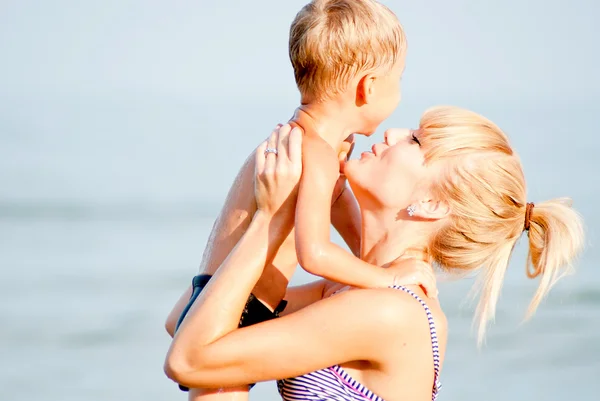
x,y
412,272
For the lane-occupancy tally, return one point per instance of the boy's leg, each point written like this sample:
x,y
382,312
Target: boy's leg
x,y
254,312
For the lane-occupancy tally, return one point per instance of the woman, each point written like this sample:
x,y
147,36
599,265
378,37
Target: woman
x,y
451,193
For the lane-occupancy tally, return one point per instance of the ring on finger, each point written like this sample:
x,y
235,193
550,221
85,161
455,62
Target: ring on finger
x,y
271,150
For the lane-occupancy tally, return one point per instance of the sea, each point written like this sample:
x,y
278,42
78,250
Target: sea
x,y
105,209
124,122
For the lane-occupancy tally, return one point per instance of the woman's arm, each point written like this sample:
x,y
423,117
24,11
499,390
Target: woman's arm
x,y
173,318
346,327
301,296
345,217
220,305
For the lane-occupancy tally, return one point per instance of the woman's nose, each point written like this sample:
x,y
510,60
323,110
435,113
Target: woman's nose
x,y
393,135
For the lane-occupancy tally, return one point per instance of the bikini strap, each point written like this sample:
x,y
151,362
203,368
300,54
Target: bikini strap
x,y
434,339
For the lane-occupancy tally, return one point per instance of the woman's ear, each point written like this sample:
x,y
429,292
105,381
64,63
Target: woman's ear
x,y
432,209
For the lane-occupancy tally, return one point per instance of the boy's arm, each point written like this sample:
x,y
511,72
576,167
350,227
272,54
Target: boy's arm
x,y
316,253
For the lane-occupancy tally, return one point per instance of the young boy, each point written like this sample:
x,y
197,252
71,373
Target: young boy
x,y
348,58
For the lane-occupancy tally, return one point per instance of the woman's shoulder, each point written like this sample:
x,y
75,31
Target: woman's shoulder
x,y
399,319
393,309
418,307
376,324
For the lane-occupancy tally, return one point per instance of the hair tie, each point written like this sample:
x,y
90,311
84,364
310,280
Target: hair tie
x,y
528,210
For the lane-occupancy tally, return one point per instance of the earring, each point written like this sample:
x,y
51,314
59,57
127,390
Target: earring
x,y
411,210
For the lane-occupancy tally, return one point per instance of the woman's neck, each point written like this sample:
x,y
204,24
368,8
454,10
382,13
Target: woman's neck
x,y
386,239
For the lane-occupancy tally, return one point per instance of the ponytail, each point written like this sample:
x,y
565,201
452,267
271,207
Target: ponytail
x,y
555,232
555,238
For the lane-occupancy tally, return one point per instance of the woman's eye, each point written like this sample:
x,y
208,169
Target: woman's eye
x,y
414,138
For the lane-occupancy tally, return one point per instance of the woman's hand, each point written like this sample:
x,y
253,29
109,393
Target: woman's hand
x,y
278,171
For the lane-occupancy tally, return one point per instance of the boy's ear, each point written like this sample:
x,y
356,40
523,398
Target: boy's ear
x,y
432,209
365,90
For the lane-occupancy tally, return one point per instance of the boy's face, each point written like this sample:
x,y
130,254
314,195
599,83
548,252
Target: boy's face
x,y
385,99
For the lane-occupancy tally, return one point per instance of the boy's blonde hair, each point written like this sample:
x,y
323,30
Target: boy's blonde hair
x,y
484,184
332,41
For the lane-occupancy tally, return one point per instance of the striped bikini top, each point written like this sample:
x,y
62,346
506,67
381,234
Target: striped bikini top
x,y
334,384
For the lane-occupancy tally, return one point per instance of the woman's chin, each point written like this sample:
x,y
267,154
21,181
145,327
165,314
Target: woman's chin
x,y
351,164
353,169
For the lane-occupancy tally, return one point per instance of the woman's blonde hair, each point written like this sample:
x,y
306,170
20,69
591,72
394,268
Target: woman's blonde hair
x,y
483,182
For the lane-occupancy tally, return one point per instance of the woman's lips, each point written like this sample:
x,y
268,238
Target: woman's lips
x,y
366,154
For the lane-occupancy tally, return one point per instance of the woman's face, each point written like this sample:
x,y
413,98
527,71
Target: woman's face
x,y
392,174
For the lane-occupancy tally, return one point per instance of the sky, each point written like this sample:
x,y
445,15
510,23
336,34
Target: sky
x,y
237,50
131,100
